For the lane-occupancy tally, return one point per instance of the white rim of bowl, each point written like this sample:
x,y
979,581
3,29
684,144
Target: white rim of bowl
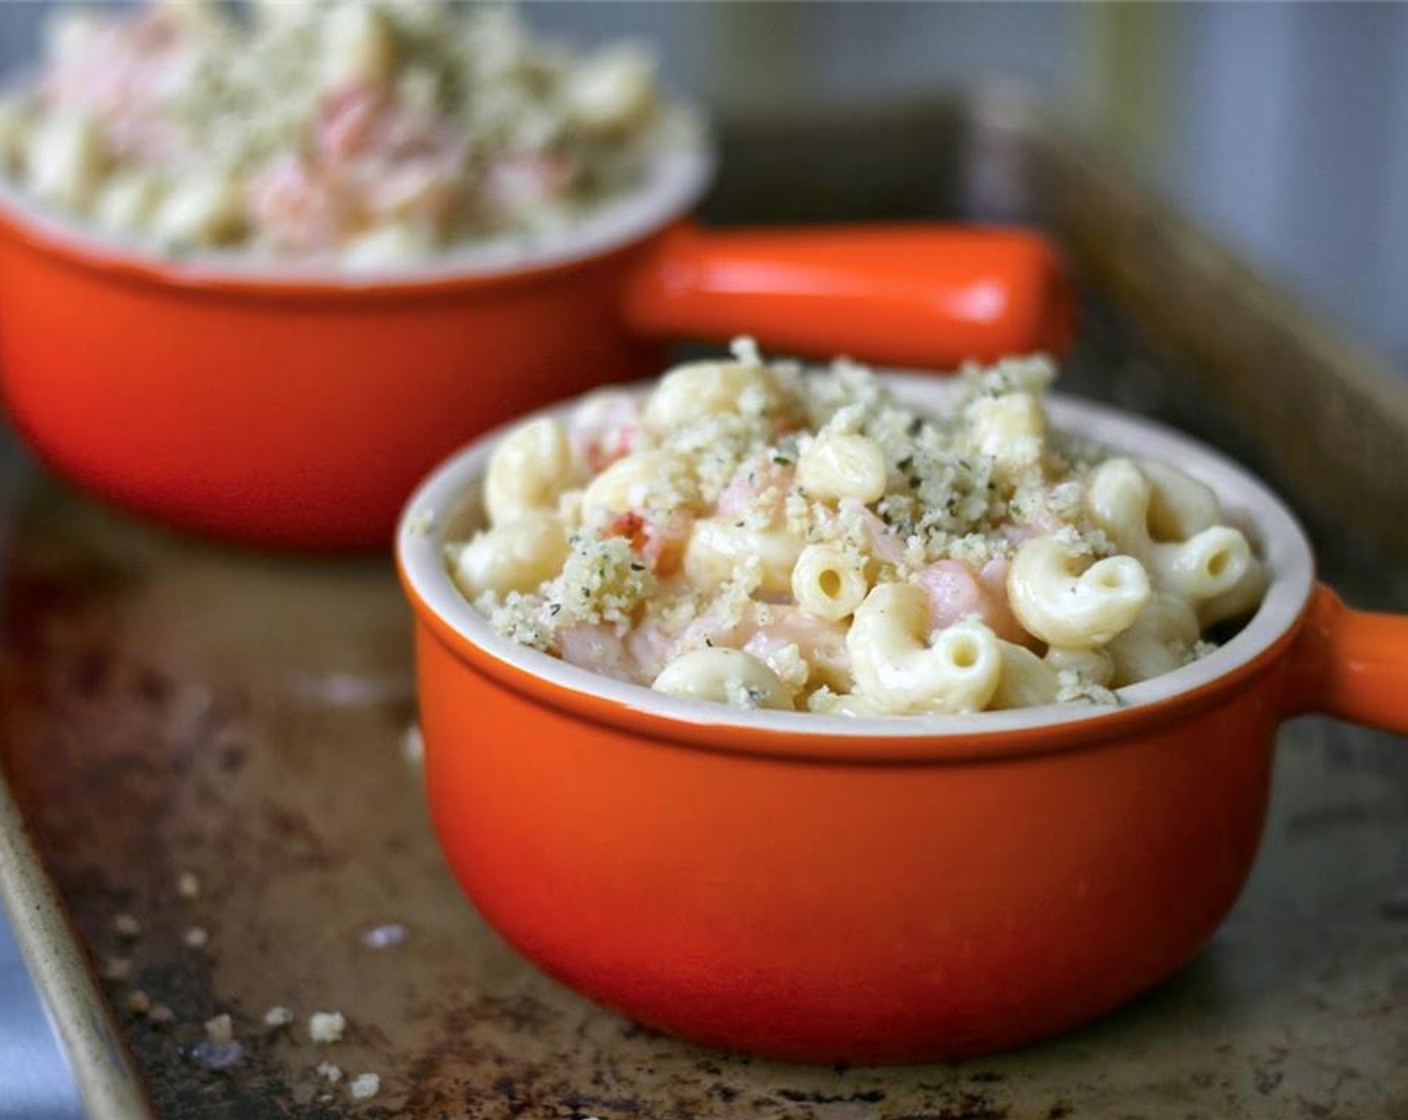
x,y
680,172
420,543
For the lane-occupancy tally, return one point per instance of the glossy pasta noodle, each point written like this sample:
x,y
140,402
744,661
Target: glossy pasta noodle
x,y
758,535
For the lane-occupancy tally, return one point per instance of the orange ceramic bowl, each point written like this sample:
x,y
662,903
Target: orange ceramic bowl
x,y
871,890
278,405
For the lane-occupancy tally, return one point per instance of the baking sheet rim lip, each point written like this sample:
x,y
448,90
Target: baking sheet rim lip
x,y
103,1070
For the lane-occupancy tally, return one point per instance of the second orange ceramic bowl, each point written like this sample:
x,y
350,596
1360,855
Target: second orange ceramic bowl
x,y
275,405
872,890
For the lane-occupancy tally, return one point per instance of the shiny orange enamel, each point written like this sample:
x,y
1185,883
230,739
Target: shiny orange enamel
x,y
917,295
301,414
1352,664
826,909
864,899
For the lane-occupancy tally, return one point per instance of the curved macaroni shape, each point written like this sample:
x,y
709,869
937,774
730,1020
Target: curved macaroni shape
x,y
698,389
833,467
516,555
1169,522
358,48
726,676
613,92
1179,505
528,469
828,582
65,160
1205,566
1026,679
1010,429
127,200
1158,642
642,480
1092,666
1240,599
1063,599
718,548
898,667
201,210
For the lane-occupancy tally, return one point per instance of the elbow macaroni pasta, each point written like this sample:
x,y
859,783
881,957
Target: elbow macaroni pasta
x,y
530,467
901,669
750,534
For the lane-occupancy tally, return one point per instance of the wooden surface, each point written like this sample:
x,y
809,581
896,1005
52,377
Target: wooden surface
x,y
167,705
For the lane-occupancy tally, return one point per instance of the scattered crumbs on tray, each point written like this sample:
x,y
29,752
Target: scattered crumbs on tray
x,y
196,937
384,936
188,885
220,1029
126,926
219,1049
413,745
365,1086
161,1015
138,1002
117,969
278,1017
218,1055
329,1071
326,1026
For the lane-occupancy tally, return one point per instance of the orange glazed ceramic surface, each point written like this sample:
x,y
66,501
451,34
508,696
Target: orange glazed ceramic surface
x,y
298,407
831,889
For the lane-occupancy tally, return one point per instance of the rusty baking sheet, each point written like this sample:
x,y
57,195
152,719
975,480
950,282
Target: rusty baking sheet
x,y
171,707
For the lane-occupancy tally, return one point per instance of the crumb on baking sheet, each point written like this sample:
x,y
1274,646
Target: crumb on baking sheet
x,y
161,1015
117,969
188,885
326,1026
365,1086
138,1002
278,1017
125,925
220,1029
219,1049
413,745
384,936
329,1071
196,937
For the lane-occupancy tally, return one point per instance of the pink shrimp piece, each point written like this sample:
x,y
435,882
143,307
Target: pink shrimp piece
x,y
659,538
598,648
296,206
1042,524
884,542
997,609
651,646
520,183
821,643
420,188
348,124
741,493
606,430
119,76
954,592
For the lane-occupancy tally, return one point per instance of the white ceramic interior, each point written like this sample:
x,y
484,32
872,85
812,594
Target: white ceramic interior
x,y
445,508
679,174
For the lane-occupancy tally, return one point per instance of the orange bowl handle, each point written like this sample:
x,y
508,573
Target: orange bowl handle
x,y
911,295
1351,664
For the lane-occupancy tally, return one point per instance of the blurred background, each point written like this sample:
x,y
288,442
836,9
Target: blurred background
x,y
1281,127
